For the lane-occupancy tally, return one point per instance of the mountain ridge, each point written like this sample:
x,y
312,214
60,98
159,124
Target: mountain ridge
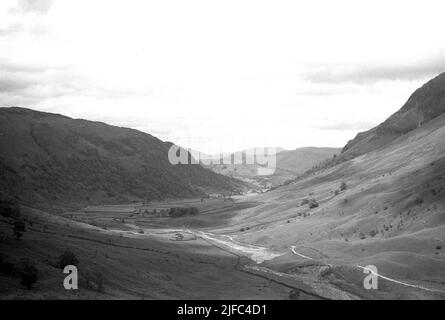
x,y
53,159
425,104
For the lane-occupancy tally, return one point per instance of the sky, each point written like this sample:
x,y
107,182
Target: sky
x,y
221,76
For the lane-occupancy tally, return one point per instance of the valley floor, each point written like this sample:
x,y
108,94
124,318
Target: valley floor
x,y
207,256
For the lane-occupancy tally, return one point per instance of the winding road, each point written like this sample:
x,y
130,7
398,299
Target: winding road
x,y
293,250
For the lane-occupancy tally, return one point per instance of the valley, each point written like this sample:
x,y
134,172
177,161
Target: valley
x,y
141,228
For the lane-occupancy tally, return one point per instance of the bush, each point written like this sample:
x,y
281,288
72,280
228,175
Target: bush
x,y
337,192
6,267
94,281
18,229
294,294
343,186
373,233
183,211
313,204
304,201
362,236
67,258
28,274
9,209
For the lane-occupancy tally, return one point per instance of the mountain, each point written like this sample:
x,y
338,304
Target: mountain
x,y
51,159
384,207
289,163
425,104
302,159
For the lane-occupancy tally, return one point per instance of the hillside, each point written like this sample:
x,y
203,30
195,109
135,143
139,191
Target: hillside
x,y
49,159
425,104
390,214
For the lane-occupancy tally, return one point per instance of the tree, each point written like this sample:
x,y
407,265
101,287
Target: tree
x,y
343,186
67,258
9,209
294,294
18,229
28,274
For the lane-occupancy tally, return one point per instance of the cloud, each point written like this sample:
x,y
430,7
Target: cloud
x,y
33,6
11,83
7,65
360,125
12,29
28,84
22,83
344,73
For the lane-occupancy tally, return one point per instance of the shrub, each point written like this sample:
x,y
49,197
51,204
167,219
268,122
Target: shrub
x,y
18,229
362,236
439,248
9,209
304,201
337,192
294,294
6,266
343,186
28,274
183,211
67,258
373,233
94,282
313,204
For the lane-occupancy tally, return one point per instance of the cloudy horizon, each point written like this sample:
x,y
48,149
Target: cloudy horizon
x,y
221,76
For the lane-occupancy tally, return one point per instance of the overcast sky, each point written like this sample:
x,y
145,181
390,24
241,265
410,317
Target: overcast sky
x,y
221,75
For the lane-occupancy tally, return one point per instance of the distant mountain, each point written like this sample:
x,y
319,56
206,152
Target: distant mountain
x,y
302,159
50,159
289,163
425,104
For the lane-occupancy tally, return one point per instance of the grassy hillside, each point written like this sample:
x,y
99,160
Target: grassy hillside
x,y
391,214
49,160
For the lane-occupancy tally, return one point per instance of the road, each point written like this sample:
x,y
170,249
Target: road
x,y
294,251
